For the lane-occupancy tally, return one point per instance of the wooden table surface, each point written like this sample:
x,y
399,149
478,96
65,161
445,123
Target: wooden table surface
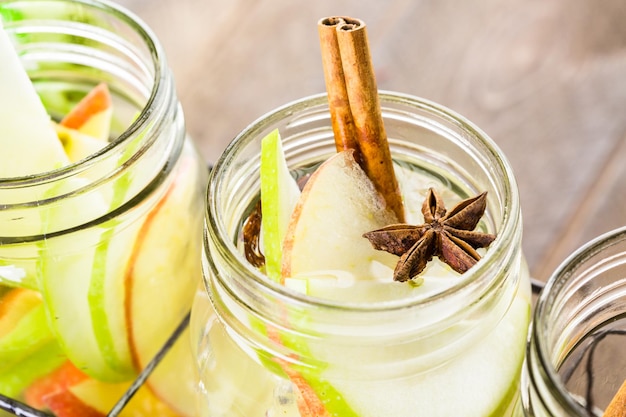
x,y
546,79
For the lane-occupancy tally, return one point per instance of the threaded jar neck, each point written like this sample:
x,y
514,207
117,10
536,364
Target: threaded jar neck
x,y
68,47
583,300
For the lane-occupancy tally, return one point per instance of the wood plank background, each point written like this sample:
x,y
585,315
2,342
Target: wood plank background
x,y
546,79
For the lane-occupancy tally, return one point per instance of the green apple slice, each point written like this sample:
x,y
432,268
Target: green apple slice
x,y
27,347
65,266
34,366
28,141
279,195
23,327
30,333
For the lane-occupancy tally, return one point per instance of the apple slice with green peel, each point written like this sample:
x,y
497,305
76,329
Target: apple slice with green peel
x,y
279,195
338,204
349,182
27,337
28,142
27,347
92,115
68,265
15,380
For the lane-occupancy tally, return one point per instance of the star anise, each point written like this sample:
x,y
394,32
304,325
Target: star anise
x,y
450,235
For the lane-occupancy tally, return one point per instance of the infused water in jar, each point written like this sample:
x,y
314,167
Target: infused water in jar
x,y
335,345
100,249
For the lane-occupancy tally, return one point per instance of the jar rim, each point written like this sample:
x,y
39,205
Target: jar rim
x,y
556,282
158,88
510,225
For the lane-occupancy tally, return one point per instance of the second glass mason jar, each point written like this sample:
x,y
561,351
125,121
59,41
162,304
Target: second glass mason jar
x,y
576,360
100,259
266,350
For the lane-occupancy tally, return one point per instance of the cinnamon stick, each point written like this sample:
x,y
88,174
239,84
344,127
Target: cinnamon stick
x,y
351,70
617,407
340,113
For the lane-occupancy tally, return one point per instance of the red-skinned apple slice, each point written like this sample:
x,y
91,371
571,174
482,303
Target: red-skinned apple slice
x,y
92,115
102,397
338,204
66,404
68,392
63,377
160,285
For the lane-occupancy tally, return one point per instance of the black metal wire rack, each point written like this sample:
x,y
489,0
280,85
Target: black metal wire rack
x,y
18,408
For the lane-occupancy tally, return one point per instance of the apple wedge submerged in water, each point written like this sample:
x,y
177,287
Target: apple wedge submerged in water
x,y
160,280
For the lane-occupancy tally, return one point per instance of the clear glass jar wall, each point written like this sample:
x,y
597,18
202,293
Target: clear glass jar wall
x,y
100,259
266,350
576,360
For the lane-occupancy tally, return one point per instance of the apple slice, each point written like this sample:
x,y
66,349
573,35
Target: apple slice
x,y
66,404
27,346
36,365
92,115
14,305
76,144
338,204
81,282
28,142
64,376
157,273
101,397
279,195
29,335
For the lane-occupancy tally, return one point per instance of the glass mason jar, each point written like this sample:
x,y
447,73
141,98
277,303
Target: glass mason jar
x,y
100,259
268,350
576,361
